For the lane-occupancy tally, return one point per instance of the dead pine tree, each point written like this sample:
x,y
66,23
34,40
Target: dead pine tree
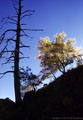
x,y
16,38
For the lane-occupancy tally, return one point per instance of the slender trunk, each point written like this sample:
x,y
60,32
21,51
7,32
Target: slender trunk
x,y
16,60
64,70
54,76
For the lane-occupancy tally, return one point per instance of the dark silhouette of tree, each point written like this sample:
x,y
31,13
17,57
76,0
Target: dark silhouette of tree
x,y
15,36
80,61
28,81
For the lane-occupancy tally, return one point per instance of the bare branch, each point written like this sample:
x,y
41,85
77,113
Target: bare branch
x,y
9,18
25,34
4,34
27,11
2,52
21,53
10,23
8,57
24,46
10,51
23,24
32,29
16,9
9,30
4,73
12,19
25,16
10,39
7,62
23,57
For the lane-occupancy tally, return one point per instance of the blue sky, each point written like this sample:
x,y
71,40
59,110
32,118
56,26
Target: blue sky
x,y
52,16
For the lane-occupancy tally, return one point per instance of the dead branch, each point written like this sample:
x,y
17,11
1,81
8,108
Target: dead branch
x,y
4,73
24,46
10,23
10,39
6,51
16,9
27,11
23,57
32,29
24,33
4,34
23,24
7,62
26,16
21,53
2,52
9,18
9,51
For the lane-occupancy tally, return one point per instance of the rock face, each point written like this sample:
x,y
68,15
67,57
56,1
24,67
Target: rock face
x,y
61,98
6,106
34,105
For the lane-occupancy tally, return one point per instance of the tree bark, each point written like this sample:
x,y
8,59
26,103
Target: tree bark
x,y
16,60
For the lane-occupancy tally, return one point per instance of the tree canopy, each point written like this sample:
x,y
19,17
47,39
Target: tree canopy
x,y
28,80
56,55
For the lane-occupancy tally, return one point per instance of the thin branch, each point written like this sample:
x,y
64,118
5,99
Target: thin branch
x,y
4,73
32,29
23,57
27,11
25,16
9,51
24,46
16,9
54,76
4,34
9,58
2,52
25,34
6,51
7,62
10,23
23,24
10,39
9,18
21,53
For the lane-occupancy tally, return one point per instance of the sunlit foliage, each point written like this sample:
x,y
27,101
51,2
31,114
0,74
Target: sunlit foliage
x,y
56,55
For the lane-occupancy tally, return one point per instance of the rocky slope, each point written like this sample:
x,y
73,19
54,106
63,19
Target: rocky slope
x,y
61,98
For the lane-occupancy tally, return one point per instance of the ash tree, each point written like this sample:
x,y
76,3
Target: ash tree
x,y
58,54
14,35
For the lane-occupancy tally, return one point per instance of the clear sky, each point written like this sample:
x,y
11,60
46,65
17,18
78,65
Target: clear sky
x,y
52,16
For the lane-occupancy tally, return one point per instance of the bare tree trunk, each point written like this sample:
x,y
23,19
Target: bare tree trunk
x,y
16,60
18,33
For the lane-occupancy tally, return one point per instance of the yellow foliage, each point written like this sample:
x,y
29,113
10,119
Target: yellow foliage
x,y
58,54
